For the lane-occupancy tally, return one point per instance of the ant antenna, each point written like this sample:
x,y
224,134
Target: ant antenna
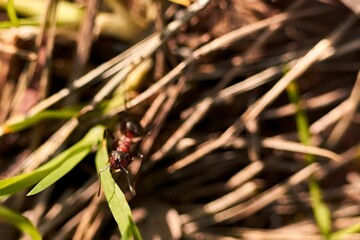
x,y
125,94
100,178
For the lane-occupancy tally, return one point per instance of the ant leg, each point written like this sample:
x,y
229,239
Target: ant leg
x,y
108,132
137,139
99,189
128,180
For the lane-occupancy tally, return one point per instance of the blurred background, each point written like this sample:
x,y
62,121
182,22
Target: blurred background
x,y
249,109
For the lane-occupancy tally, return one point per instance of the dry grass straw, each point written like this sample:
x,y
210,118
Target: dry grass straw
x,y
222,152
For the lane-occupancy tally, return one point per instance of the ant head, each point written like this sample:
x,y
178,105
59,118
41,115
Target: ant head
x,y
131,129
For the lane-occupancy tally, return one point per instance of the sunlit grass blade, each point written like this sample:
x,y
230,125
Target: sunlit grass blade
x,y
321,211
66,13
185,3
20,124
341,234
10,8
17,183
20,222
115,197
22,22
75,155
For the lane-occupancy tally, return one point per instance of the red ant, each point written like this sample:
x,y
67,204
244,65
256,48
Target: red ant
x,y
121,154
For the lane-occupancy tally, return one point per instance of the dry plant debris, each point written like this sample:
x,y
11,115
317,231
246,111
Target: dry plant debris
x,y
250,109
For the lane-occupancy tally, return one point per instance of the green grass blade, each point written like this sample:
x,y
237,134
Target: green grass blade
x,y
17,183
67,13
341,234
20,124
300,117
19,221
10,8
22,22
115,198
78,152
321,211
75,155
135,231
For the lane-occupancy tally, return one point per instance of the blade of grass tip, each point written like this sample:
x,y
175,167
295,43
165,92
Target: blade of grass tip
x,y
10,8
16,126
20,222
118,205
341,234
15,184
76,154
321,211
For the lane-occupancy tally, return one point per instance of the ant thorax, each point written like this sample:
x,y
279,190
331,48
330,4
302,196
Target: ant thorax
x,y
124,144
119,160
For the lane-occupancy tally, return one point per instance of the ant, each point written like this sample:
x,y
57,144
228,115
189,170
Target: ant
x,y
121,154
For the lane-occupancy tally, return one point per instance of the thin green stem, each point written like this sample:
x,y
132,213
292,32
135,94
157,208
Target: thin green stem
x,y
321,211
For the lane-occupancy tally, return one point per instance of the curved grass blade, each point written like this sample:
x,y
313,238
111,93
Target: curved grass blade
x,y
19,221
15,125
17,183
76,154
117,202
